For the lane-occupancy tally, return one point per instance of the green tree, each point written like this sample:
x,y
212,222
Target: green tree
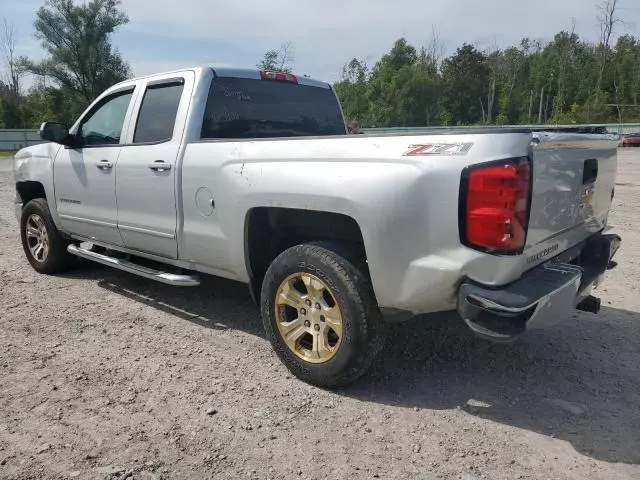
x,y
388,85
81,58
352,91
403,89
466,76
278,60
11,74
428,89
525,83
10,113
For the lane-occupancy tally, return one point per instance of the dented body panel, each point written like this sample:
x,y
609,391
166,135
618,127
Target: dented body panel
x,y
401,190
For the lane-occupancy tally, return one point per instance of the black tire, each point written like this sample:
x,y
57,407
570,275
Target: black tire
x,y
57,259
363,330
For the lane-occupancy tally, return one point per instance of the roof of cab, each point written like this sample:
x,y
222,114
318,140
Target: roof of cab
x,y
236,73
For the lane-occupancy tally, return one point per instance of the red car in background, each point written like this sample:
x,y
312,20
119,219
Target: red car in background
x,y
630,140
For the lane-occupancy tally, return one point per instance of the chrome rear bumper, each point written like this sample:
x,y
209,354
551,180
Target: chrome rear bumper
x,y
542,296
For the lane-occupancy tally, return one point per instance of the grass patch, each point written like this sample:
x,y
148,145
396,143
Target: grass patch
x,y
7,153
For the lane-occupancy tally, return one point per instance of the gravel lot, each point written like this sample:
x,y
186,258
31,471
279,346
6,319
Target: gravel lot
x,y
106,375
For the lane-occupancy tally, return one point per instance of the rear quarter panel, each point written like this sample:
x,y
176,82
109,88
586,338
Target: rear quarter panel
x,y
406,206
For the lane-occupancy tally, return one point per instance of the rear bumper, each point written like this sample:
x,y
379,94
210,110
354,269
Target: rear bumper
x,y
542,296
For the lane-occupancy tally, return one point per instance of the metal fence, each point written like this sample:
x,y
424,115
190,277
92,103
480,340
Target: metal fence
x,y
17,139
620,129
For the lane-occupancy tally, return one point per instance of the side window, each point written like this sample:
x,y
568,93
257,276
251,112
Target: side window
x,y
104,125
158,112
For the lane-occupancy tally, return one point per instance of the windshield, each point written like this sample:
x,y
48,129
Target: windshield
x,y
248,108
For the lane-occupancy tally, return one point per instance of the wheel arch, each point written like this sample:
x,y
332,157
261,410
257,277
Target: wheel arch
x,y
271,230
27,190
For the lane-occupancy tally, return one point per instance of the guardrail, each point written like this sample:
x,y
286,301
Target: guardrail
x,y
15,139
620,129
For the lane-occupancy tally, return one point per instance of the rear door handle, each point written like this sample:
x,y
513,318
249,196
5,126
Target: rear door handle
x,y
104,165
160,166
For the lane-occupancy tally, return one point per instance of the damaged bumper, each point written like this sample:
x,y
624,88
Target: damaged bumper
x,y
542,296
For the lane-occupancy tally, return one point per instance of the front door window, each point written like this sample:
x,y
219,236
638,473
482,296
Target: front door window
x,y
103,126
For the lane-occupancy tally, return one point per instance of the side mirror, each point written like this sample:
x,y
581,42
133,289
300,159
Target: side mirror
x,y
55,132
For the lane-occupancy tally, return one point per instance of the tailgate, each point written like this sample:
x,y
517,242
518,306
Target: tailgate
x,y
573,180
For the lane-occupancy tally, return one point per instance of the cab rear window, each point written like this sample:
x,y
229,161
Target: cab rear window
x,y
240,108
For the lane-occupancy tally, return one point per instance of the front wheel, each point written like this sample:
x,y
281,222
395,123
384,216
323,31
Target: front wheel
x,y
320,314
45,248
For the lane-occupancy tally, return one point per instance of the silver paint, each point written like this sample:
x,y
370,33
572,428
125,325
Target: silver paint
x,y
405,206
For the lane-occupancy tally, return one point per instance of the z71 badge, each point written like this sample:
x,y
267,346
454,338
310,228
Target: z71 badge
x,y
447,149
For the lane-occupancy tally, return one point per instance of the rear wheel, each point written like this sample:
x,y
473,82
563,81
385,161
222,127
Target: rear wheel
x,y
320,314
44,246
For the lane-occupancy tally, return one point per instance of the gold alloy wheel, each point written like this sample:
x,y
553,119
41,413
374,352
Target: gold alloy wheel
x,y
308,317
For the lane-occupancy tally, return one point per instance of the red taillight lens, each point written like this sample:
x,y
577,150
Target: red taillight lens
x,y
279,76
496,206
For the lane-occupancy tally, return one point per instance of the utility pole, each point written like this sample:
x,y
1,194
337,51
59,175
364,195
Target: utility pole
x,y
540,109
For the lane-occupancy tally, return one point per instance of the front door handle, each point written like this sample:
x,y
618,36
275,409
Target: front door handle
x,y
160,166
104,165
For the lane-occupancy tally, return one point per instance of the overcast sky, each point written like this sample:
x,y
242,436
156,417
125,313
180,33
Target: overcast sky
x,y
165,34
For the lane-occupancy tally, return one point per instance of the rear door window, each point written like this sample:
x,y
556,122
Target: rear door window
x,y
249,108
158,112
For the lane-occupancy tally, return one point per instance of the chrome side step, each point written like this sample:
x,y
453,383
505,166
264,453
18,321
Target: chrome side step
x,y
146,272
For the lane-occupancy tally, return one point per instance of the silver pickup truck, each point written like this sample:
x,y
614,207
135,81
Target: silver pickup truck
x,y
252,176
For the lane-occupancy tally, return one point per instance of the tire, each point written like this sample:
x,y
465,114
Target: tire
x,y
54,258
337,279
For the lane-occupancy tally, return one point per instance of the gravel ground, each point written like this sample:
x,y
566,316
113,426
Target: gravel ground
x,y
106,375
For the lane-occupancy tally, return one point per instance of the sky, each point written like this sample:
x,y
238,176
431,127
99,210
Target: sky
x,y
326,34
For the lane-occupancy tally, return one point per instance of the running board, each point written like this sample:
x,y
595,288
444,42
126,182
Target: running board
x,y
127,266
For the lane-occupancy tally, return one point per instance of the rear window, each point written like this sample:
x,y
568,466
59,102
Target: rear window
x,y
248,108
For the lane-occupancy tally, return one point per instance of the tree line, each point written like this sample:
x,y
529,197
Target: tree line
x,y
566,80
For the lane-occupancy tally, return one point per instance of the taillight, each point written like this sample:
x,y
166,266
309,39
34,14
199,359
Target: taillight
x,y
494,206
279,76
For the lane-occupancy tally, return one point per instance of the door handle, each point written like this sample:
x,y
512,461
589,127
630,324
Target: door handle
x,y
104,165
160,166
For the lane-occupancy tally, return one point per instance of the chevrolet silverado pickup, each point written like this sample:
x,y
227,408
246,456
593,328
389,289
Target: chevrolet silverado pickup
x,y
252,176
